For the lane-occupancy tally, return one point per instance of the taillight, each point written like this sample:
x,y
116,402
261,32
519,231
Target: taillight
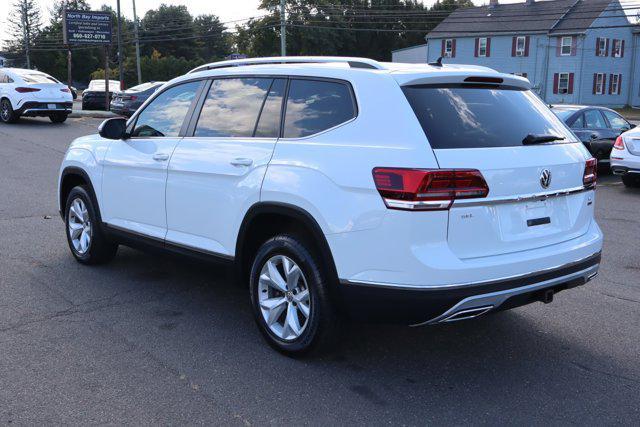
x,y
619,145
129,98
66,90
424,189
27,89
590,173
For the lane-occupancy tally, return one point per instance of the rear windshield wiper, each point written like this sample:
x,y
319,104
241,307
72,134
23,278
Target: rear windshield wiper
x,y
540,139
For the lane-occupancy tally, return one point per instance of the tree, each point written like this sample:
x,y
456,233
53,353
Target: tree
x,y
212,42
171,30
24,25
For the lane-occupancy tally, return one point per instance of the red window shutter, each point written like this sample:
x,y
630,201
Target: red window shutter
x,y
475,53
570,83
513,46
555,82
442,50
574,45
595,82
597,47
622,50
488,46
606,47
558,45
453,48
526,46
619,83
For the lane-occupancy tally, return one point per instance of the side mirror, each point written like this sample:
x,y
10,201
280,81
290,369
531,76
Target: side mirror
x,y
115,128
632,126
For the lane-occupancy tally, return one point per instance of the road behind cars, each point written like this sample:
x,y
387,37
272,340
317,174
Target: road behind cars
x,y
148,339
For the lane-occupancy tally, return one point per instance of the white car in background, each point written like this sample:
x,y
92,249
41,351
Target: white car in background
x,y
625,158
31,93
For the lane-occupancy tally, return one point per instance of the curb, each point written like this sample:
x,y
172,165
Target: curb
x,y
92,114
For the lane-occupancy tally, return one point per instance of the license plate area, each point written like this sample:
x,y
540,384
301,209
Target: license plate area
x,y
52,106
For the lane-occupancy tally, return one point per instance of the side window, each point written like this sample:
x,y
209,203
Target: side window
x,y
269,121
232,107
166,113
594,120
615,120
578,123
314,106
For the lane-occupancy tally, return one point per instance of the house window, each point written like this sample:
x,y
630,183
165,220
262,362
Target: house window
x,y
448,48
521,42
565,46
599,84
482,46
520,75
602,47
613,85
616,52
563,83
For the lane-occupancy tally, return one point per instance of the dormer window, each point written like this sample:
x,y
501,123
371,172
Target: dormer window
x,y
448,48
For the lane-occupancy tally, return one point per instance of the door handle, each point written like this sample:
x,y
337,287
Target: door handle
x,y
241,161
161,157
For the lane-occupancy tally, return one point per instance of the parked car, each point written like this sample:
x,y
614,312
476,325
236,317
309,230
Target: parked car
x,y
31,93
93,96
74,92
625,158
127,102
597,127
345,186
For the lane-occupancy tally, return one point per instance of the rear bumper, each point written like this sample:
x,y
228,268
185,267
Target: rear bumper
x,y
33,108
629,164
448,303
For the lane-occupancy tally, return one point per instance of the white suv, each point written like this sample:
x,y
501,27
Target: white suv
x,y
32,93
416,193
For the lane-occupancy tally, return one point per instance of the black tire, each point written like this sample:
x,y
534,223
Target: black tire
x,y
100,249
7,115
58,117
631,180
320,333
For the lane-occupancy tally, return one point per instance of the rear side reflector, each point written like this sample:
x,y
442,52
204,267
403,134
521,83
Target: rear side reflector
x,y
428,189
590,173
27,89
65,90
619,145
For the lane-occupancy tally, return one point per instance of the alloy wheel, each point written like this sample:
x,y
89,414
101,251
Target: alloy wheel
x,y
4,110
80,229
283,295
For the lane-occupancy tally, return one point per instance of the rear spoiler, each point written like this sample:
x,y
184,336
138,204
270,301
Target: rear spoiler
x,y
462,78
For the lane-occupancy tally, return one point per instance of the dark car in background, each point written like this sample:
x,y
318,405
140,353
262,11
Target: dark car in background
x,y
597,127
93,97
126,103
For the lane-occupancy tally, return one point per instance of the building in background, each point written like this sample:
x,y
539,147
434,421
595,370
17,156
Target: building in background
x,y
3,61
572,51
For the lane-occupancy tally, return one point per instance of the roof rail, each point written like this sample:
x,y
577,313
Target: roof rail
x,y
353,62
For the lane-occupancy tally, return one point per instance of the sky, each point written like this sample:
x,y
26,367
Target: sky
x,y
227,10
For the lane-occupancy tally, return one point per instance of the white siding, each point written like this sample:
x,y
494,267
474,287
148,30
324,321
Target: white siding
x,y
414,54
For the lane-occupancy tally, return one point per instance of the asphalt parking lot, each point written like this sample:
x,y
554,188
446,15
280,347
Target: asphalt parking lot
x,y
154,340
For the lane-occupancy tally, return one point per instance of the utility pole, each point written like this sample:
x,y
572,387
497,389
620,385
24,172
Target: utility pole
x,y
135,26
69,76
120,65
25,33
283,30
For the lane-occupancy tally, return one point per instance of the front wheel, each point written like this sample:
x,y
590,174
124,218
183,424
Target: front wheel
x,y
86,240
7,115
290,297
631,180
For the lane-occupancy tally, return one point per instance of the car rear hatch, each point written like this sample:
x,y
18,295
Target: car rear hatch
x,y
536,187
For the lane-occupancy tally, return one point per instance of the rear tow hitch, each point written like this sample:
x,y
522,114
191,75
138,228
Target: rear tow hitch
x,y
547,296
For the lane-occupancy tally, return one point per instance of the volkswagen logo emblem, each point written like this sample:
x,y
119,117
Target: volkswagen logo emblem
x,y
545,178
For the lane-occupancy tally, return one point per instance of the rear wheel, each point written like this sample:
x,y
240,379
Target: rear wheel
x,y
58,117
7,115
290,298
86,240
631,180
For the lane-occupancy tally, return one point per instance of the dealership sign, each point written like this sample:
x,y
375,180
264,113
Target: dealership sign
x,y
86,27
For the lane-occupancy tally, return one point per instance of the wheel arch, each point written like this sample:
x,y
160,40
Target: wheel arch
x,y
71,177
279,217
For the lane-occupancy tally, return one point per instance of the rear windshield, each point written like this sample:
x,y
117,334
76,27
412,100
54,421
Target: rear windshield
x,y
144,86
456,116
38,78
564,114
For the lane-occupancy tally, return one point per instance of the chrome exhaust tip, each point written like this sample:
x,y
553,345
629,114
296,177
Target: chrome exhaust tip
x,y
467,314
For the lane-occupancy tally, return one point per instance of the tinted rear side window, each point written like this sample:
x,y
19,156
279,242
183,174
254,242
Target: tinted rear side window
x,y
232,107
314,106
456,116
269,121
